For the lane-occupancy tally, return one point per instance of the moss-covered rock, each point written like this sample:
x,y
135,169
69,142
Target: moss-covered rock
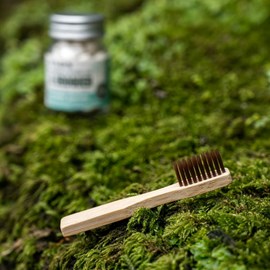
x,y
187,76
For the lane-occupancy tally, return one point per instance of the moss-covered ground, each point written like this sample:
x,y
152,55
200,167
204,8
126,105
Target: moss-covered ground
x,y
186,76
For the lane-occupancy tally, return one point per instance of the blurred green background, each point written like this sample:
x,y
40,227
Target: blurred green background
x,y
186,77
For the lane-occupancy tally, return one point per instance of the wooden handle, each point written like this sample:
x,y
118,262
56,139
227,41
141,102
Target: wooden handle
x,y
124,208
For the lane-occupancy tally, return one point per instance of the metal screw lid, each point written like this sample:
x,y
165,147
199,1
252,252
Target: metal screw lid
x,y
69,26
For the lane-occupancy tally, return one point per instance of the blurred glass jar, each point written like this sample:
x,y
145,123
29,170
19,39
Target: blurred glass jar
x,y
76,66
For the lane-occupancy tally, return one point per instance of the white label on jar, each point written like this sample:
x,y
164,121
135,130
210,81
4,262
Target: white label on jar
x,y
76,85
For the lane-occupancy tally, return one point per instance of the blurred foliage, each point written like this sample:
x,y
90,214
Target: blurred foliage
x,y
187,76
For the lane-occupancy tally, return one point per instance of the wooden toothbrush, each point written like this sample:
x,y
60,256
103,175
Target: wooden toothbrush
x,y
196,175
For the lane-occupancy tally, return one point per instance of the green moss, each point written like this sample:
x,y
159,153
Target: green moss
x,y
187,76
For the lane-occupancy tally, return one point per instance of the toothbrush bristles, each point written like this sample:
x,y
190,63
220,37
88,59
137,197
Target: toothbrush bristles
x,y
199,168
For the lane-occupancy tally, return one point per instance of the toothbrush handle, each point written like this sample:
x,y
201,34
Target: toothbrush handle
x,y
124,208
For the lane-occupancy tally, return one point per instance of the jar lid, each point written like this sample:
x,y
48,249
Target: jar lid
x,y
72,26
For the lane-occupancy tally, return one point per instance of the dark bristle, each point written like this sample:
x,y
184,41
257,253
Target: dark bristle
x,y
201,167
181,169
214,158
206,166
211,163
187,172
220,162
177,173
192,171
198,168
